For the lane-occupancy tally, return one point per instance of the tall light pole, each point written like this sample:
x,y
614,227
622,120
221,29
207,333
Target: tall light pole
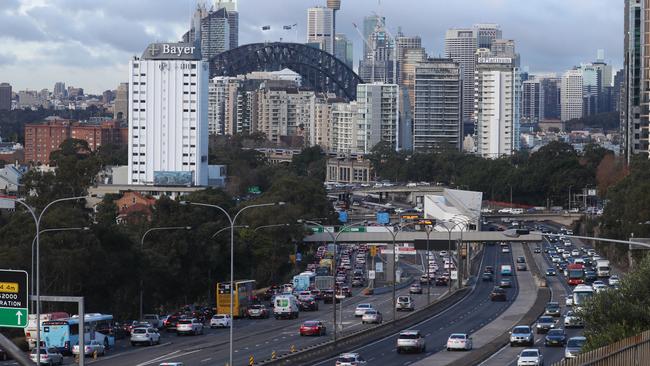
x,y
142,248
270,226
227,228
334,240
31,275
232,220
37,222
570,198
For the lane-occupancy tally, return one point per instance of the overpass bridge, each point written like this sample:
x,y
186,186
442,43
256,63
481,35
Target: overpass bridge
x,y
565,219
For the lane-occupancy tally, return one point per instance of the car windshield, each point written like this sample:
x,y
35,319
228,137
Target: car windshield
x,y
219,317
409,336
402,299
187,321
256,307
310,324
545,320
139,331
556,332
364,306
457,336
529,354
521,330
371,312
576,343
345,359
552,306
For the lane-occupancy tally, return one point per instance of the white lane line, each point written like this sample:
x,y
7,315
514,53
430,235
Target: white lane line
x,y
207,359
175,355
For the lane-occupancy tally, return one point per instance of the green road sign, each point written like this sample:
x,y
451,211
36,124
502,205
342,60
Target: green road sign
x,y
254,190
355,229
14,304
13,318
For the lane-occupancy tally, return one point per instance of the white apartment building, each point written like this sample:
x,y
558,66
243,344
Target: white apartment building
x,y
320,28
344,131
497,106
168,112
378,116
571,95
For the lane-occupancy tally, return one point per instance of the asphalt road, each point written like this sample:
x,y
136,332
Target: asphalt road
x,y
466,316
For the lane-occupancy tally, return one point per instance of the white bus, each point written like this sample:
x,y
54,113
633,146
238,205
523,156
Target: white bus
x,y
30,330
581,293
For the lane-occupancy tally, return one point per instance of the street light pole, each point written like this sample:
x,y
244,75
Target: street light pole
x,y
37,222
232,221
270,226
227,228
142,248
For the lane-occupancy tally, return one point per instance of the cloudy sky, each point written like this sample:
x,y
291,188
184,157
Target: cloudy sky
x,y
87,43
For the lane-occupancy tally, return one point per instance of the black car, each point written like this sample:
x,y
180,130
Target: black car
x,y
551,272
498,294
328,296
487,277
489,269
555,337
308,304
590,277
442,281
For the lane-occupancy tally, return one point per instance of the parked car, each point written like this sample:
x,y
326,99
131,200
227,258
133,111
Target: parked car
x,y
411,340
530,356
522,335
146,336
220,321
92,347
372,316
191,326
48,356
350,359
404,303
313,327
258,311
498,294
459,341
555,337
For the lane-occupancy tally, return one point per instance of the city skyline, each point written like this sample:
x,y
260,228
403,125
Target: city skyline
x,y
48,41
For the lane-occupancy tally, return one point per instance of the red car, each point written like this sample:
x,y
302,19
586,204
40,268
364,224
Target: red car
x,y
312,327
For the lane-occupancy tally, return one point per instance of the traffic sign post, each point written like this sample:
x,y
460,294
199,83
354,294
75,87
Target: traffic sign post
x,y
14,304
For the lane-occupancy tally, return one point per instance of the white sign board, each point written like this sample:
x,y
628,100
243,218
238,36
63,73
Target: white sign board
x,y
379,267
7,202
454,275
371,275
400,251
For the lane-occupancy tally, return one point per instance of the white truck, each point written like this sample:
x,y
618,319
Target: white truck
x,y
285,306
602,268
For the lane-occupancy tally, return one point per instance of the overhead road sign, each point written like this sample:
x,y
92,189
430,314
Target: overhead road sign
x,y
14,304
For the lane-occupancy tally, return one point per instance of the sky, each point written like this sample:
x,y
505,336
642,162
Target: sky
x,y
88,43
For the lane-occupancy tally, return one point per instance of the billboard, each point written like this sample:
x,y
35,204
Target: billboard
x,y
167,178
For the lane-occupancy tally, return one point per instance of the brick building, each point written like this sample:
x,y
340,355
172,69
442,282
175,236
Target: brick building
x,y
43,138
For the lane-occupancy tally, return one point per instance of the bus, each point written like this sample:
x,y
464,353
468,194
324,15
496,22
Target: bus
x,y
63,334
243,297
581,293
30,331
303,281
575,274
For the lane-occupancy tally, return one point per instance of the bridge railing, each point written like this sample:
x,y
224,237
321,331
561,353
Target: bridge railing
x,y
634,350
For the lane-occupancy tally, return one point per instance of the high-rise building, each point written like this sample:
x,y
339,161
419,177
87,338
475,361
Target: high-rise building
x,y
505,48
460,46
210,30
283,112
343,49
344,131
168,104
378,65
370,23
591,88
497,106
320,28
121,106
5,96
233,20
335,5
59,90
486,34
410,59
402,45
617,90
437,117
551,89
635,95
532,101
378,116
571,97
216,104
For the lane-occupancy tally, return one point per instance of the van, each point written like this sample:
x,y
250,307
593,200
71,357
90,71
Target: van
x,y
285,306
506,270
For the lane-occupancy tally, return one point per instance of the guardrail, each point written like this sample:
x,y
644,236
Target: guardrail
x,y
330,349
634,350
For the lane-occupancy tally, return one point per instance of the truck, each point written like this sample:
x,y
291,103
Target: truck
x,y
575,274
324,282
602,268
303,281
285,307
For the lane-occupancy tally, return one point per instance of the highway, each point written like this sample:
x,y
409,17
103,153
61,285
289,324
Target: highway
x,y
466,316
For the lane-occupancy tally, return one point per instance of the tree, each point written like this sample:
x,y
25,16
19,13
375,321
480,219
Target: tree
x,y
311,162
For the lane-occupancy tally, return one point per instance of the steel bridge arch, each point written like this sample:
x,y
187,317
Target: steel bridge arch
x,y
319,70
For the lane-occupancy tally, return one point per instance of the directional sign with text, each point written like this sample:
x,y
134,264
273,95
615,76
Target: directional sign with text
x,y
13,299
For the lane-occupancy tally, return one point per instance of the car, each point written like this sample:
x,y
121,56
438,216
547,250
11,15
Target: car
x,y
148,336
505,283
575,253
521,267
346,291
329,297
489,269
530,356
153,319
220,321
613,280
574,347
498,294
572,320
443,253
537,250
191,326
555,337
487,277
551,272
599,286
308,303
257,311
361,309
170,323
313,327
522,335
442,281
404,303
358,281
415,288
521,259
544,324
424,279
459,341
91,348
350,359
372,316
316,294
590,276
505,249
553,309
47,356
411,340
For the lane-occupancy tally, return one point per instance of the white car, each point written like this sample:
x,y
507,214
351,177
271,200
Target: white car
x,y
220,321
461,341
148,336
572,320
361,309
90,348
530,357
48,356
404,303
350,359
599,286
411,340
613,280
189,326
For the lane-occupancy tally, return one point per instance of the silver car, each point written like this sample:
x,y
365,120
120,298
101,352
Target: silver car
x,y
371,316
148,336
574,346
48,356
411,340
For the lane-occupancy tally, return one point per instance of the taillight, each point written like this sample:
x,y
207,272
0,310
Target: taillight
x,y
66,345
